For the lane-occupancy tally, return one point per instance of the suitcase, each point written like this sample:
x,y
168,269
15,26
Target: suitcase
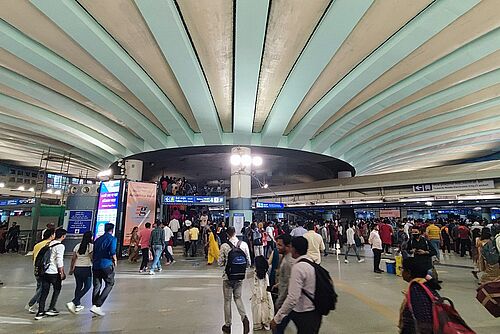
x,y
488,295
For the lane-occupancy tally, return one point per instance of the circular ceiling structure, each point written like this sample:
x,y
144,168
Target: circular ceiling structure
x,y
211,165
384,85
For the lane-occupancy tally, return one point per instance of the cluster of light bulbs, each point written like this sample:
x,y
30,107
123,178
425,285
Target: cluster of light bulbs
x,y
246,160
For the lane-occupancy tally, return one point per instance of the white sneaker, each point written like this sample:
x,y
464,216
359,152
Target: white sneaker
x,y
361,260
33,309
160,270
151,272
97,311
346,261
71,307
79,308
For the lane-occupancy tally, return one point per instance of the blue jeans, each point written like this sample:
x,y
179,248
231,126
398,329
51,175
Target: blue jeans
x,y
436,243
36,298
83,278
157,250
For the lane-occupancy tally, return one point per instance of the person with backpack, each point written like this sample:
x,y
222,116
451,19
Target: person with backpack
x,y
157,243
47,236
310,292
50,267
257,242
422,303
81,267
488,257
235,258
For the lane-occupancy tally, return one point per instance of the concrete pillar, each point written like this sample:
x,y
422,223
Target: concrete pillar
x,y
347,215
486,214
240,201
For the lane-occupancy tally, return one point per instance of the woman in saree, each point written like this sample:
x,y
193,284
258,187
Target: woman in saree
x,y
213,248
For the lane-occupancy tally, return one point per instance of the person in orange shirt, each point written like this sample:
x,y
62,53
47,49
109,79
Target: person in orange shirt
x,y
434,235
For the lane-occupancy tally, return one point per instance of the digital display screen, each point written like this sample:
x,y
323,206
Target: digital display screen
x,y
107,209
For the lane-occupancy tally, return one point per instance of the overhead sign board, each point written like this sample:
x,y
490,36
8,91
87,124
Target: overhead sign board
x,y
193,200
452,186
17,201
269,205
386,213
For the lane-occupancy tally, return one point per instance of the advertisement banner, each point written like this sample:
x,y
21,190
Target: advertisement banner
x,y
107,209
141,204
388,213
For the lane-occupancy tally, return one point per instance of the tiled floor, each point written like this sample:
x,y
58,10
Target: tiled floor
x,y
187,298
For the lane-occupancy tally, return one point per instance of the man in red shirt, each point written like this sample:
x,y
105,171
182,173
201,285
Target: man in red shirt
x,y
464,237
385,231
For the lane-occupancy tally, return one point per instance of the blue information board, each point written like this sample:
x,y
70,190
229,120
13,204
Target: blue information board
x,y
271,205
17,201
193,200
79,221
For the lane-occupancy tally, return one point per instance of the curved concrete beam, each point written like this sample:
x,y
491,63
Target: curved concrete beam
x,y
71,109
341,18
168,29
373,158
358,151
423,27
84,30
92,153
249,43
462,57
35,54
92,137
421,106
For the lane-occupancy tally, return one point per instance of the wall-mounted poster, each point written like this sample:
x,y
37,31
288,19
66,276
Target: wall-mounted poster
x,y
141,205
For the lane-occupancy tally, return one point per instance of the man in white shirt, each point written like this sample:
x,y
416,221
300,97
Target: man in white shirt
x,y
351,243
298,231
175,227
407,228
54,275
233,288
376,242
315,244
169,234
297,305
270,240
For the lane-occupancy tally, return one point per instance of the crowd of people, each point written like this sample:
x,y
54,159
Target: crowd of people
x,y
286,260
182,187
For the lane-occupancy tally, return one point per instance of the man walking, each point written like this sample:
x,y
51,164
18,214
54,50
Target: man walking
x,y
376,243
351,243
284,246
47,237
194,234
54,275
169,235
299,230
233,288
144,236
434,234
315,243
104,265
175,227
298,304
157,242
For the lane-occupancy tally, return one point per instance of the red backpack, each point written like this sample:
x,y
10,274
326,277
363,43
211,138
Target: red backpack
x,y
446,319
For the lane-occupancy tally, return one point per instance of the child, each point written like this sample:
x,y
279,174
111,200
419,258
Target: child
x,y
262,303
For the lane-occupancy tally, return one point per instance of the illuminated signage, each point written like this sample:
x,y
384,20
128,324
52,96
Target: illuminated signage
x,y
270,205
193,200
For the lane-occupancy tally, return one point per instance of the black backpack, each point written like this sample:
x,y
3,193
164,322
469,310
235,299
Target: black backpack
x,y
236,264
325,297
42,260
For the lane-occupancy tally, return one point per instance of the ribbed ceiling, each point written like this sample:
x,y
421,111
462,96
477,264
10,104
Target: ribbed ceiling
x,y
384,85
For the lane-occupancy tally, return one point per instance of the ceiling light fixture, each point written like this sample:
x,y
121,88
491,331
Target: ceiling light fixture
x,y
2,185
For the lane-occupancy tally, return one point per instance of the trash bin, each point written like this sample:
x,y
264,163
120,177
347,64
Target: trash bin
x,y
391,267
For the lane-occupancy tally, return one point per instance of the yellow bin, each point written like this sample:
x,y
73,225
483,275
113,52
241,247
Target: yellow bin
x,y
399,265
